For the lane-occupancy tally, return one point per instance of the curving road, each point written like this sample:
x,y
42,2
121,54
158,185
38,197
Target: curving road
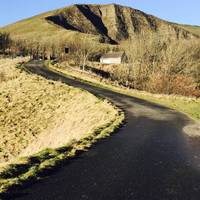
x,y
148,159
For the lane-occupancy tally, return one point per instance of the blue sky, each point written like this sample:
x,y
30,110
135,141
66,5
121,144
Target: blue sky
x,y
182,11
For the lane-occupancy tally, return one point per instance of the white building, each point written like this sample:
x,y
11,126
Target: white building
x,y
113,58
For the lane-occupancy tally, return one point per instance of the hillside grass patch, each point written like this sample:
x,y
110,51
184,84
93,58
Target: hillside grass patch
x,y
45,122
192,29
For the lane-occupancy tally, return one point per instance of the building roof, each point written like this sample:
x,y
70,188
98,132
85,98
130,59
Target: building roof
x,y
113,55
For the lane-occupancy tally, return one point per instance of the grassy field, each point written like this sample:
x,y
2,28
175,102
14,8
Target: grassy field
x,y
188,105
192,29
36,28
45,120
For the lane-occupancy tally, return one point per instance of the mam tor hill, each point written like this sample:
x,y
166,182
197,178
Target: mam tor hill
x,y
103,23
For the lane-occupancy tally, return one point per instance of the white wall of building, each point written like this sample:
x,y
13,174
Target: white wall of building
x,y
110,60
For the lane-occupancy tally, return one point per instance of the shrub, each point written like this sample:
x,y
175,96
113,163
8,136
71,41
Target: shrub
x,y
172,84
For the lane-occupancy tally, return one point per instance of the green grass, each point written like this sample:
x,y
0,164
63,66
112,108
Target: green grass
x,y
187,105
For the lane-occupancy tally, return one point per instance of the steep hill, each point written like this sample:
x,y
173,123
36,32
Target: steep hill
x,y
105,23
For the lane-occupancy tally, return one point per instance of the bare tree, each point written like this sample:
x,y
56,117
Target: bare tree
x,y
83,49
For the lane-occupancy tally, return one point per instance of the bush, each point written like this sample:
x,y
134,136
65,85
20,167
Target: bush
x,y
172,84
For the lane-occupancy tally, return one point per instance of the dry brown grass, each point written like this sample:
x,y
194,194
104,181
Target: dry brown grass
x,y
157,61
37,113
157,56
192,29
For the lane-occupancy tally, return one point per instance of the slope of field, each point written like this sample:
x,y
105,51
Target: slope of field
x,y
105,23
36,113
38,29
192,29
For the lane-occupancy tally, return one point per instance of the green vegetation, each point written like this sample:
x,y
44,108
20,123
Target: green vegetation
x,y
37,29
187,105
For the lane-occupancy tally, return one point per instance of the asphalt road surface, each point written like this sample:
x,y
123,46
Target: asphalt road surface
x,y
147,159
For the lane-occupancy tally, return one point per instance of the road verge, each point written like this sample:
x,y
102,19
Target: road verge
x,y
26,170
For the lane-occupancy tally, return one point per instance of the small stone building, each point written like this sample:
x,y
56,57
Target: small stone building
x,y
113,58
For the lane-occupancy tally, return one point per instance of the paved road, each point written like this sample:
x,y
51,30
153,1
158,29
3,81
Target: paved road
x,y
148,159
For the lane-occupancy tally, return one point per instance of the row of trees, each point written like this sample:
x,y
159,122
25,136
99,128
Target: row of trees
x,y
80,50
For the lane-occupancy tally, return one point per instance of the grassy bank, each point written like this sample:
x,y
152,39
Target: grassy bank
x,y
187,105
29,169
38,115
192,29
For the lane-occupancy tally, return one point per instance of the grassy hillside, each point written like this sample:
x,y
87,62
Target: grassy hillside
x,y
35,111
104,23
38,29
192,29
45,122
